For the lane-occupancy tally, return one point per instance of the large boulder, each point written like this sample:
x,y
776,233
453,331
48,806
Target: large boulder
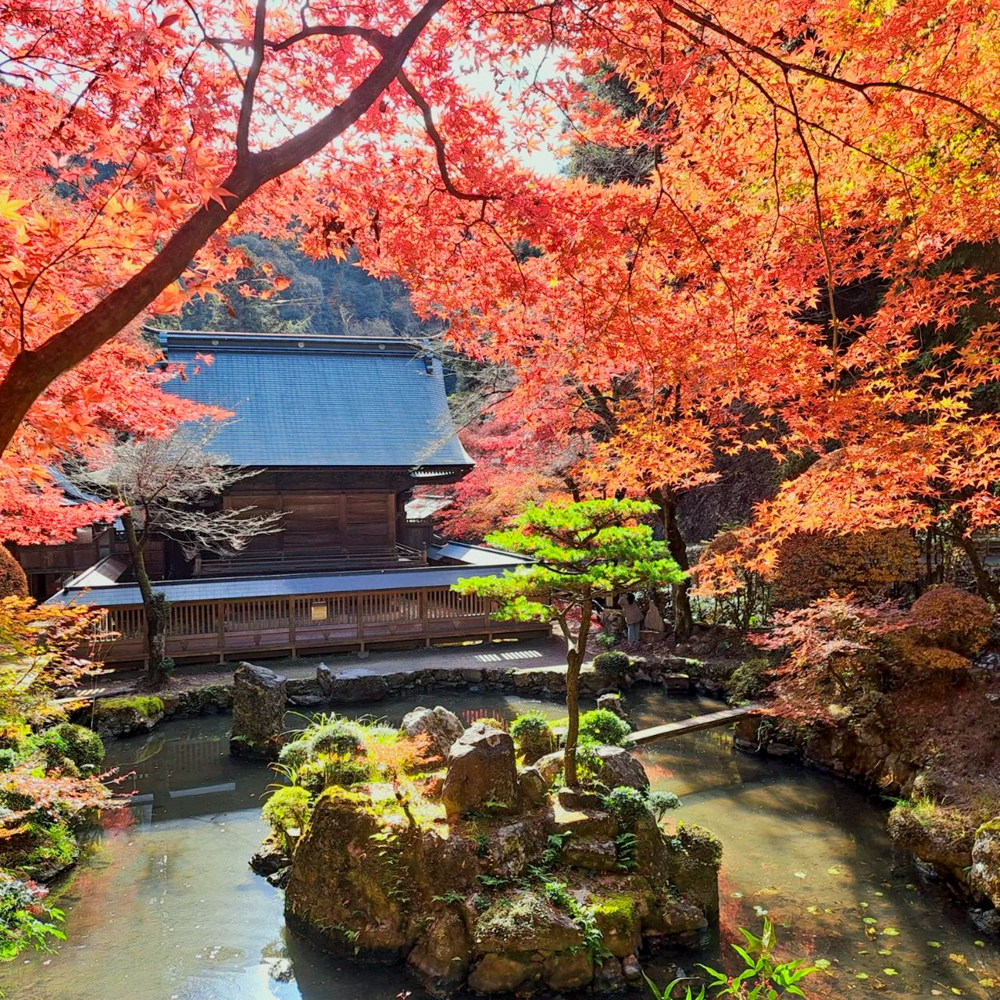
x,y
259,701
984,876
615,767
498,974
436,728
524,920
441,957
343,892
482,772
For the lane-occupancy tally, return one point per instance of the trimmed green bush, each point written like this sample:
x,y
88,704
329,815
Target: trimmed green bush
x,y
295,754
335,734
533,736
604,727
612,665
82,745
287,809
627,804
748,681
661,802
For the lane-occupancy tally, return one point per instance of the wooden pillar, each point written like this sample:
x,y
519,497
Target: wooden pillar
x,y
220,616
422,611
360,615
291,625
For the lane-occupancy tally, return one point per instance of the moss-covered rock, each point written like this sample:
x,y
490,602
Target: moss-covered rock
x,y
523,920
349,890
127,715
442,955
984,876
496,900
495,973
619,920
695,855
938,835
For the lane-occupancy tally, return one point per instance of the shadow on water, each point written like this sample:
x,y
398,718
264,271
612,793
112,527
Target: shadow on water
x,y
165,907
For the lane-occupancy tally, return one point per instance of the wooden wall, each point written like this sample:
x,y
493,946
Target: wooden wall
x,y
318,520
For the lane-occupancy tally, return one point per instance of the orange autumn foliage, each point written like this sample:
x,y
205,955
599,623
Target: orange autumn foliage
x,y
805,152
867,564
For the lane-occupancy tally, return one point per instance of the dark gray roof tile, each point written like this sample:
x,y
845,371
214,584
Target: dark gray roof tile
x,y
320,401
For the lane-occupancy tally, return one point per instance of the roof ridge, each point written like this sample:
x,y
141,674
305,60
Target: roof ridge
x,y
286,343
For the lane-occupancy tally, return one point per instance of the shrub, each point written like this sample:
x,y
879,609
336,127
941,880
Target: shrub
x,y
8,759
604,727
25,922
627,804
13,582
533,736
341,769
748,681
294,754
724,574
661,802
612,665
286,809
335,734
81,745
953,619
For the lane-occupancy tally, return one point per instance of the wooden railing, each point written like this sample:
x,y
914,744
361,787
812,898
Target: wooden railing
x,y
232,628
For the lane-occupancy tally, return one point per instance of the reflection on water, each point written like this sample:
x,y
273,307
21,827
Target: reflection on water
x,y
166,907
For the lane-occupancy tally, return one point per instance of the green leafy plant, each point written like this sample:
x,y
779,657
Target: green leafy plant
x,y
627,804
661,802
533,735
762,977
626,847
612,665
748,681
333,769
603,727
287,809
554,848
25,922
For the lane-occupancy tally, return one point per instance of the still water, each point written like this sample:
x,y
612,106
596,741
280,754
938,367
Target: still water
x,y
165,907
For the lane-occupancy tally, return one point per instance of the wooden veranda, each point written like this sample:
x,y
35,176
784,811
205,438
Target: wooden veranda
x,y
275,616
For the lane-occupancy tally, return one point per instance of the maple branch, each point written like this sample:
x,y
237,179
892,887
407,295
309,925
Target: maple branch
x,y
376,39
787,67
253,74
32,371
820,228
439,147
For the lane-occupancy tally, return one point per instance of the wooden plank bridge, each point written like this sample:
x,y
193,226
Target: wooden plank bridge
x,y
710,721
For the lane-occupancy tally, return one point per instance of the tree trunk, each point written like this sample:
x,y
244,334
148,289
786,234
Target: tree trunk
x,y
683,616
574,661
153,605
985,584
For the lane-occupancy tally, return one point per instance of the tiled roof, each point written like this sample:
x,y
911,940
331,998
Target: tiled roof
x,y
293,585
320,401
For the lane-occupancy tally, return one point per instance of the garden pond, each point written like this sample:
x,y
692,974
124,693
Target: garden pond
x,y
164,907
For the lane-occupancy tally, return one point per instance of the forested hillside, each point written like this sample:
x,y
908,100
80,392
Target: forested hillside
x,y
281,290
